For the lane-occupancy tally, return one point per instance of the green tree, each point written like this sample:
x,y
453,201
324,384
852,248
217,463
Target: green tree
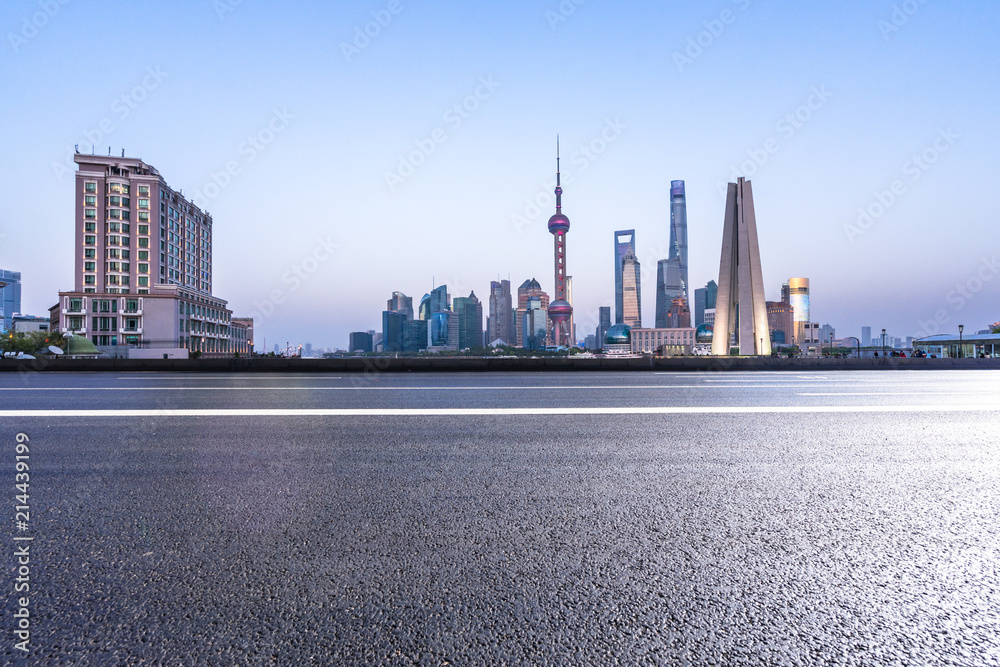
x,y
12,342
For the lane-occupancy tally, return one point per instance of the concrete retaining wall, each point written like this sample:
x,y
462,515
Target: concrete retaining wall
x,y
475,364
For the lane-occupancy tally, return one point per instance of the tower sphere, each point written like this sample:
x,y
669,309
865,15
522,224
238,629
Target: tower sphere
x,y
558,224
560,309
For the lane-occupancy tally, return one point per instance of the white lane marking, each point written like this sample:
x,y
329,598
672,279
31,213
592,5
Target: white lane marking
x,y
463,412
200,376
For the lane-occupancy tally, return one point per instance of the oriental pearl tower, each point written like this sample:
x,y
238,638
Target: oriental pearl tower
x,y
560,311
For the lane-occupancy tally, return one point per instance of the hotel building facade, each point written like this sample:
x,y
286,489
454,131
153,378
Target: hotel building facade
x,y
143,266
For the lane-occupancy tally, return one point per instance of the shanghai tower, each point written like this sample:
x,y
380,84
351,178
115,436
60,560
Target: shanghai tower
x,y
560,311
679,234
672,273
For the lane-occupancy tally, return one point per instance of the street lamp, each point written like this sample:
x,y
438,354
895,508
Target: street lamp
x,y
883,342
961,327
859,344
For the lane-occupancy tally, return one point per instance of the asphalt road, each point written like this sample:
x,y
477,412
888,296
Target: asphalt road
x,y
841,518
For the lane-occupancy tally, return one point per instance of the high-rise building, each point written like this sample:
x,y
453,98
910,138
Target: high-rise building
x,y
560,311
529,288
143,272
631,302
679,235
603,324
424,312
740,279
501,322
400,303
10,297
134,231
439,300
704,299
442,327
624,245
779,321
866,336
679,315
668,287
826,334
392,331
469,310
414,335
535,324
798,296
360,341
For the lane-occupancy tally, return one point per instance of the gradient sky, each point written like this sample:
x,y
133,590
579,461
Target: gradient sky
x,y
696,91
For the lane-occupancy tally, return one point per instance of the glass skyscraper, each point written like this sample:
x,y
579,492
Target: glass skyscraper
x,y
704,299
624,245
679,236
10,296
470,322
631,302
798,296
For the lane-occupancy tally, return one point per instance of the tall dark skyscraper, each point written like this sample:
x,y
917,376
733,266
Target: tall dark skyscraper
x,y
679,235
560,311
704,299
672,273
624,245
668,288
501,322
470,321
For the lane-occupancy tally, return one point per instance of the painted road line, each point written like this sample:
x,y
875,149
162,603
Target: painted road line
x,y
496,412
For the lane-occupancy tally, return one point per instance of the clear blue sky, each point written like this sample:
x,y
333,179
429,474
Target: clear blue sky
x,y
332,115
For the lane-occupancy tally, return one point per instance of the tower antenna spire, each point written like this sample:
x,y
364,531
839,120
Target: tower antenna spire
x,y
558,182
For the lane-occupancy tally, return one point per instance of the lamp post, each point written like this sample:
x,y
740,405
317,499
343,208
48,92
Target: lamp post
x,y
883,342
859,344
961,327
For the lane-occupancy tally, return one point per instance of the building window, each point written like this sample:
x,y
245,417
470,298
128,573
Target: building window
x,y
90,227
90,186
143,243
144,203
89,280
143,255
143,268
90,240
90,201
115,214
143,216
144,190
143,282
144,229
89,253
90,214
89,266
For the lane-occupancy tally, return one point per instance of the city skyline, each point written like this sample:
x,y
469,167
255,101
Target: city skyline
x,y
860,140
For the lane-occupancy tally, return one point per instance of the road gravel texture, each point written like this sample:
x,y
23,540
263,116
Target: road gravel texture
x,y
782,539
